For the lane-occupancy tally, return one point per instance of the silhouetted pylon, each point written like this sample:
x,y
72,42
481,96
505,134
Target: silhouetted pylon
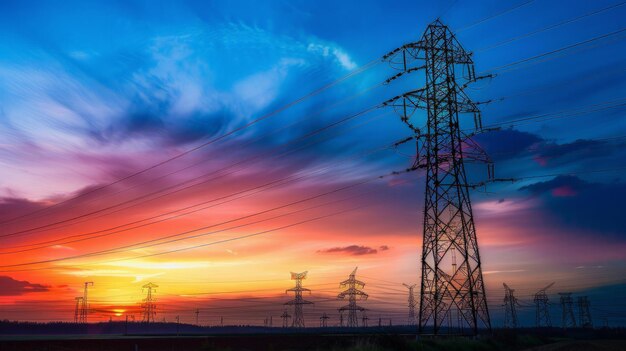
x,y
298,301
353,293
84,310
412,303
149,306
452,280
510,307
567,319
584,313
285,316
77,309
324,320
542,306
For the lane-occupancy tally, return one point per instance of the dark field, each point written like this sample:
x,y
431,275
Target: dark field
x,y
40,337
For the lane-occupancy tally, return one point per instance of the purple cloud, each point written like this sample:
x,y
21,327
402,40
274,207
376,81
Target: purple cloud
x,y
354,250
12,287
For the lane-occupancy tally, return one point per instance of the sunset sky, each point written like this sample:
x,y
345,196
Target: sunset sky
x,y
92,92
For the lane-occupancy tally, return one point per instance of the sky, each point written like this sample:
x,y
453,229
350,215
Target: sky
x,y
264,178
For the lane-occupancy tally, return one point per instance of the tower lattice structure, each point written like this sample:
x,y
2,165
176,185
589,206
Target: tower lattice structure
x,y
149,305
412,303
451,280
510,307
567,309
298,301
542,307
584,312
77,309
285,316
324,320
84,303
353,293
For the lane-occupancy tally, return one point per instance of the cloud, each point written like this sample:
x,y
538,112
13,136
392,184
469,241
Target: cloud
x,y
12,287
580,204
355,250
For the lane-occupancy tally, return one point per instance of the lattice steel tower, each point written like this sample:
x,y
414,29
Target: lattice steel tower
x,y
353,292
584,313
567,319
452,281
84,304
149,307
542,305
77,309
510,307
285,316
412,303
324,320
298,301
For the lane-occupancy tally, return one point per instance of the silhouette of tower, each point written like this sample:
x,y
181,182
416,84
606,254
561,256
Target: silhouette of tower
x,y
149,306
542,305
584,313
197,316
567,319
285,316
298,301
84,309
78,308
412,303
324,320
364,319
353,293
452,279
510,305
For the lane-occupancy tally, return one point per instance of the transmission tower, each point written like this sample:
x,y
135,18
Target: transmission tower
x,y
412,303
567,320
149,306
542,304
364,319
298,301
78,308
324,320
449,284
285,316
510,307
584,313
84,308
197,312
353,293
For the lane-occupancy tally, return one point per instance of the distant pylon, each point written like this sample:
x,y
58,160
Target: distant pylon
x,y
84,310
364,319
542,305
197,316
584,313
285,316
353,293
412,303
77,309
452,278
298,301
149,307
510,307
567,319
324,320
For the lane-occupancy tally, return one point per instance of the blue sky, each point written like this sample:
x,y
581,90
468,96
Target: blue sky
x,y
91,90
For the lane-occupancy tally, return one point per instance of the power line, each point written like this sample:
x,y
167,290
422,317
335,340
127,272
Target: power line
x,y
209,142
315,132
221,241
532,58
504,12
525,35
